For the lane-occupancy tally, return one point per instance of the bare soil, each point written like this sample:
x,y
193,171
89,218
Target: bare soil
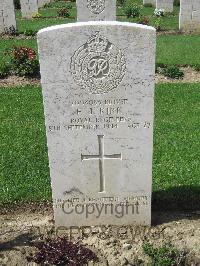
x,y
15,81
190,76
22,225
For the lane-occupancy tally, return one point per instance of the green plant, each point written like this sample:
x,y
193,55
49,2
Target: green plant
x,y
4,70
144,20
23,61
30,32
166,255
120,2
196,67
37,15
131,9
173,72
157,24
63,12
69,6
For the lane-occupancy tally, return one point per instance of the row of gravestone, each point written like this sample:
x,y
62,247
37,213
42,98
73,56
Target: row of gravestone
x,y
98,10
7,12
98,93
167,5
189,17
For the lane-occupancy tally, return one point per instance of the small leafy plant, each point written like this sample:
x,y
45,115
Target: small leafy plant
x,y
64,12
60,251
166,255
37,15
144,20
173,72
29,32
23,61
120,2
196,67
131,9
4,70
69,6
157,24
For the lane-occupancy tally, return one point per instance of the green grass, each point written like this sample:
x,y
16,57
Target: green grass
x,y
9,43
178,50
24,166
176,183
169,22
176,165
171,49
50,17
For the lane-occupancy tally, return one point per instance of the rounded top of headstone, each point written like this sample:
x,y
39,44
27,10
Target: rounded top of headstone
x,y
96,23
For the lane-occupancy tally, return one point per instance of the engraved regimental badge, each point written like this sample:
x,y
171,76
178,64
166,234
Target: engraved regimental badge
x,y
98,65
96,6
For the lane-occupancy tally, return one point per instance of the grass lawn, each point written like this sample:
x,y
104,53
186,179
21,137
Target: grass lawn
x,y
50,17
24,166
171,49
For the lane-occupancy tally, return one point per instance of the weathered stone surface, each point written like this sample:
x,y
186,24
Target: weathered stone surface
x,y
167,5
96,10
189,18
153,2
41,3
29,8
98,91
7,16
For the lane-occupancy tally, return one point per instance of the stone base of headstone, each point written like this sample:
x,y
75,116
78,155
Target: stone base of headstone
x,y
152,2
7,16
189,17
167,5
41,3
29,8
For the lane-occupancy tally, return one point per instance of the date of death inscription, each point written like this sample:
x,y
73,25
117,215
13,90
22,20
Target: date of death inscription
x,y
101,114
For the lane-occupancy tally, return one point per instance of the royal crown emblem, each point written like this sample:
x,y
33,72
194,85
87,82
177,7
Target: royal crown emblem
x,y
98,66
96,6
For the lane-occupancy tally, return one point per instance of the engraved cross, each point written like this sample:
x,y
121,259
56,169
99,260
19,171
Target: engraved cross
x,y
193,12
101,157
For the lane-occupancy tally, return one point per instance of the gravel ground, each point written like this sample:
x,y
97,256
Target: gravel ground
x,y
20,226
191,76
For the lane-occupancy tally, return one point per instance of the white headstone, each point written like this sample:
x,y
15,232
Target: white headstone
x,y
153,2
167,5
41,3
189,18
98,92
29,8
96,10
7,16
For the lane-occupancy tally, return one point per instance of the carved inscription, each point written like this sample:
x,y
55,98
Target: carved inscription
x,y
96,6
95,114
98,66
101,157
